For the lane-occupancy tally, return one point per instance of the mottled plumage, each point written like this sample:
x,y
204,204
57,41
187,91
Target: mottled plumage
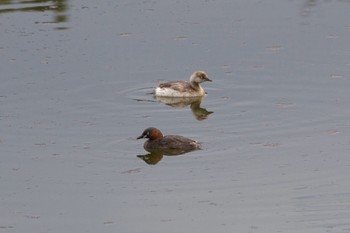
x,y
183,88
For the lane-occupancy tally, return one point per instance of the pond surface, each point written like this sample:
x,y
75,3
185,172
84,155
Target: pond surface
x,y
76,78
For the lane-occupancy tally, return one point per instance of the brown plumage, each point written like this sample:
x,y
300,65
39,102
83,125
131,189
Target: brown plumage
x,y
170,144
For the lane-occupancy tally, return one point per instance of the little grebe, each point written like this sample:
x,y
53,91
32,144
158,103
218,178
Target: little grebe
x,y
183,88
157,142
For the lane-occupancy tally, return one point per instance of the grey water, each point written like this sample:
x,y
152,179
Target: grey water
x,y
76,81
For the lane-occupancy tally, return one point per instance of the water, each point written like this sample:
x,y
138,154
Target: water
x,y
74,95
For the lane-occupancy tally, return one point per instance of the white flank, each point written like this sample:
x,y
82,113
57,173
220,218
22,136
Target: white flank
x,y
168,92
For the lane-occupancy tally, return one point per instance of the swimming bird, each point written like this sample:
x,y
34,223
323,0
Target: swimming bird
x,y
183,88
170,144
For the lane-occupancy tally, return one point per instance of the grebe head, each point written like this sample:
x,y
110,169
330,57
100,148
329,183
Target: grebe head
x,y
199,77
151,133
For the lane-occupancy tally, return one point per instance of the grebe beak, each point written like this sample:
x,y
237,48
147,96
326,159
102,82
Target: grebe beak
x,y
142,136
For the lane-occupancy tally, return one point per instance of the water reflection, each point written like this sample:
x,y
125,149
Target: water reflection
x,y
155,156
58,7
307,6
181,102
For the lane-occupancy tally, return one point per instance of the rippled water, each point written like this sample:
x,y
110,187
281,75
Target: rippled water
x,y
76,79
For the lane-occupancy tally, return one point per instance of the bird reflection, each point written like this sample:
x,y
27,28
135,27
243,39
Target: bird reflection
x,y
181,102
155,156
151,158
58,7
307,7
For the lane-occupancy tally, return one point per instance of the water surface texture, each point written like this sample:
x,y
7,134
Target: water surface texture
x,y
76,78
